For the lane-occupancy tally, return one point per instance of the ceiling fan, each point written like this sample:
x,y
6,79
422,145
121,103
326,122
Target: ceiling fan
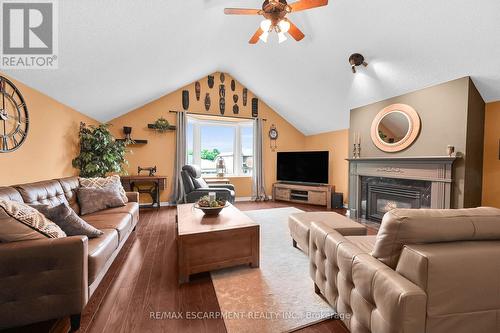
x,y
275,12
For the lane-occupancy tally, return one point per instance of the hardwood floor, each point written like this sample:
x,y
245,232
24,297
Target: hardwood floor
x,y
141,287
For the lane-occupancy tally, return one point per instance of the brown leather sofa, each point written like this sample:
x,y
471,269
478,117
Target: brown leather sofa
x,y
54,278
433,271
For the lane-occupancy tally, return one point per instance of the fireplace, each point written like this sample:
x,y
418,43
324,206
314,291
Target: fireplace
x,y
379,184
380,195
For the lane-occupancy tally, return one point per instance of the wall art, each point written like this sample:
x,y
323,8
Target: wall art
x,y
222,91
245,96
210,81
235,98
185,99
255,107
222,106
236,109
197,89
222,77
233,85
208,102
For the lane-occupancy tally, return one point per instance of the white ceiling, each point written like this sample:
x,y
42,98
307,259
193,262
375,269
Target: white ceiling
x,y
116,55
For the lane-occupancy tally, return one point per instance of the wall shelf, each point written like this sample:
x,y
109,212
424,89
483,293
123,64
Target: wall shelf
x,y
136,142
170,127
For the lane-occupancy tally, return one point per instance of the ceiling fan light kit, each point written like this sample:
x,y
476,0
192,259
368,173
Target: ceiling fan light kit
x,y
274,13
355,60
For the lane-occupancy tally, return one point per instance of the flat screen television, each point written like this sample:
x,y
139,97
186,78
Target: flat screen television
x,y
310,167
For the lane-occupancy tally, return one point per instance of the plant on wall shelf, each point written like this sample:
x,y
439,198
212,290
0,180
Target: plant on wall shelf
x,y
161,125
100,154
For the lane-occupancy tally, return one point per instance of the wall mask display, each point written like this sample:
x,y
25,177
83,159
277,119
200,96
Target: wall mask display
x,y
233,85
210,81
222,91
255,107
236,109
222,77
185,99
395,128
245,96
222,105
208,102
235,98
197,88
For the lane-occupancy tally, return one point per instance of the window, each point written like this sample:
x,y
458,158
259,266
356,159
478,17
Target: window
x,y
209,139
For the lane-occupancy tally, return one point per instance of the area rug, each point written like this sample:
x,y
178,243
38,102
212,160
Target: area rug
x,y
279,295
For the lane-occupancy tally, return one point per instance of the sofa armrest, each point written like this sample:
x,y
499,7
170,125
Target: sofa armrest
x,y
132,196
367,294
42,279
226,186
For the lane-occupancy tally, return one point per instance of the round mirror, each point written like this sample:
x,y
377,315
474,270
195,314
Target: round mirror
x,y
395,128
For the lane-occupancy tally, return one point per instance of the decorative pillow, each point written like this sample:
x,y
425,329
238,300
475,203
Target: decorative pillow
x,y
69,221
200,183
19,222
98,182
95,199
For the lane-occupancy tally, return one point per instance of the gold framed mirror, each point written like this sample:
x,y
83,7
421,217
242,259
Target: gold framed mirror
x,y
395,128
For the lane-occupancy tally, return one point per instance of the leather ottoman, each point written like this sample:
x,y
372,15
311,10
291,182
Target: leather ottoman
x,y
299,224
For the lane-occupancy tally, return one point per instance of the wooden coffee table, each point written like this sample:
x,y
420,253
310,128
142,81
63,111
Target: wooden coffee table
x,y
207,243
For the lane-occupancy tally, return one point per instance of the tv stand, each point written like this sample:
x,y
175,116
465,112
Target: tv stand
x,y
320,195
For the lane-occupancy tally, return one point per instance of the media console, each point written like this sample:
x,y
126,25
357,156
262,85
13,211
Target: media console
x,y
311,194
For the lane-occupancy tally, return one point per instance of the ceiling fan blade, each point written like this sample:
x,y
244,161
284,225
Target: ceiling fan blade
x,y
295,32
241,11
307,4
256,35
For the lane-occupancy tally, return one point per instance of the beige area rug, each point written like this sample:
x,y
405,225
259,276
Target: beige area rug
x,y
277,297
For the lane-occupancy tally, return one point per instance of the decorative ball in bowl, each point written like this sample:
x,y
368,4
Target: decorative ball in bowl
x,y
211,207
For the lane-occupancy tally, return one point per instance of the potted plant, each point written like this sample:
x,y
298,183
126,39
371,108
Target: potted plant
x,y
161,125
100,153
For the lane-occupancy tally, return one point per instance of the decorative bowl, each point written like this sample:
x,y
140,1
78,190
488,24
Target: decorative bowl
x,y
211,211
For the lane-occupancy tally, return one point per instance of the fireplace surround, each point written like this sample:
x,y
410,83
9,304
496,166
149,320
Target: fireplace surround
x,y
377,185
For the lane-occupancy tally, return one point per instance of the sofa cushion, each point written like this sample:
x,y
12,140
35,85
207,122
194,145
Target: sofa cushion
x,y
10,193
70,186
94,199
47,192
131,208
19,221
200,183
100,250
69,221
99,182
419,226
122,222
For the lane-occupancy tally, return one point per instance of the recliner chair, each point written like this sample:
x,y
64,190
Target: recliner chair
x,y
196,187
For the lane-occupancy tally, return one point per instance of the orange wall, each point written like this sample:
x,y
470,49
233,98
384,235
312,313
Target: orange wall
x,y
337,143
51,144
160,150
491,164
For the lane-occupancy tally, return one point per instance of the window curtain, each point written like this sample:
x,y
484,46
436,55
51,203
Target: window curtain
x,y
258,184
180,157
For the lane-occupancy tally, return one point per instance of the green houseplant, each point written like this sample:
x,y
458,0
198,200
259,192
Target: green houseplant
x,y
100,153
161,125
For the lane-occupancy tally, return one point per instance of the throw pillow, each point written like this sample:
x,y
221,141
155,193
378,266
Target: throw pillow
x,y
69,221
200,183
95,199
19,222
111,181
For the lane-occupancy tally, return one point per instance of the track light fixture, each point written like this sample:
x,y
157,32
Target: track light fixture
x,y
355,60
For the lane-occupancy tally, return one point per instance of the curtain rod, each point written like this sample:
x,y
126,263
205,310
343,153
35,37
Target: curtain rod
x,y
214,115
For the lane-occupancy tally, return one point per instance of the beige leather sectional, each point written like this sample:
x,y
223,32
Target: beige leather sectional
x,y
53,278
432,271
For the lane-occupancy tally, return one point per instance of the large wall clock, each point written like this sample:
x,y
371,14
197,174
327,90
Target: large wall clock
x,y
14,119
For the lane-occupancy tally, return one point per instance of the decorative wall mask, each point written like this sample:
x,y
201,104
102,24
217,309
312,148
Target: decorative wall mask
x,y
208,102
235,98
222,105
185,99
236,109
233,85
210,81
255,107
245,96
222,91
197,89
222,77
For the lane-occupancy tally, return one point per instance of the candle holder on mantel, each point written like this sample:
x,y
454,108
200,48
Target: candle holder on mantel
x,y
356,152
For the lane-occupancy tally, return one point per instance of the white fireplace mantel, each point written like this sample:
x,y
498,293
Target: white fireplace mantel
x,y
436,169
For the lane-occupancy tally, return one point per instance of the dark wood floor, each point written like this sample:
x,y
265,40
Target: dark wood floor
x,y
143,280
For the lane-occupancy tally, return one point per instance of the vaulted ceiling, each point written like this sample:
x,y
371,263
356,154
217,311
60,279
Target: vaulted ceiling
x,y
118,55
